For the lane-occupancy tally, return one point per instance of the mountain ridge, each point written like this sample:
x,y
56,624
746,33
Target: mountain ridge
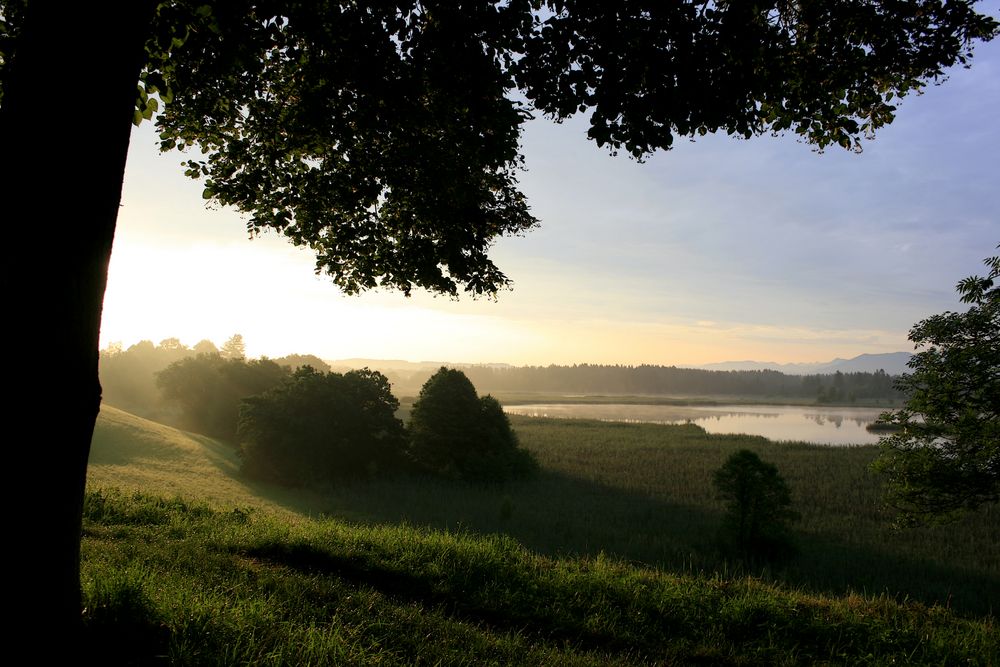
x,y
893,363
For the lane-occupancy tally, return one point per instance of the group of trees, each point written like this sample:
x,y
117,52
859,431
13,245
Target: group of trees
x,y
316,427
384,136
128,375
297,422
131,379
207,390
321,427
652,379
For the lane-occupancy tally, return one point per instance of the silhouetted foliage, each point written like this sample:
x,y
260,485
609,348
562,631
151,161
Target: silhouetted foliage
x,y
208,389
455,433
945,457
757,506
407,184
319,427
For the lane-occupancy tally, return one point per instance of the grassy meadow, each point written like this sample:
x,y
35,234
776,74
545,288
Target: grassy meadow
x,y
608,556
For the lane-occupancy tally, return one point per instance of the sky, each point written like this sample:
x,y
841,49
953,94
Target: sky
x,y
720,249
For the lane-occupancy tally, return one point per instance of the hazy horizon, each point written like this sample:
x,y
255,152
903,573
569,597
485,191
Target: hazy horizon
x,y
190,343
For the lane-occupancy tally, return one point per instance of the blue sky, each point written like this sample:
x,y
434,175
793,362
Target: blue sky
x,y
719,249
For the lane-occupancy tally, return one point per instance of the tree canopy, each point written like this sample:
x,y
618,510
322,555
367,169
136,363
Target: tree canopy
x,y
945,455
453,432
384,136
321,427
234,347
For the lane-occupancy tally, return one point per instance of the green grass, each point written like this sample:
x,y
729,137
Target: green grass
x,y
194,585
137,454
617,533
133,452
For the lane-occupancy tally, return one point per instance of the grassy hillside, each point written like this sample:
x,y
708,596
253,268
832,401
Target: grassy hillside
x,y
136,454
191,585
606,557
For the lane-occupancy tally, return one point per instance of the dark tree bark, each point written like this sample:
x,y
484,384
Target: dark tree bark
x,y
65,123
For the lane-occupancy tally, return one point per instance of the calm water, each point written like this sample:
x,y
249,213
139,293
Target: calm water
x,y
820,425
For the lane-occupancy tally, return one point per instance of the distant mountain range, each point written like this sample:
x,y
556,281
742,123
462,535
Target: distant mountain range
x,y
893,363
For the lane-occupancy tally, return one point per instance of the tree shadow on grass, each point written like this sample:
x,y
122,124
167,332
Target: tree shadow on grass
x,y
464,593
553,513
557,514
826,565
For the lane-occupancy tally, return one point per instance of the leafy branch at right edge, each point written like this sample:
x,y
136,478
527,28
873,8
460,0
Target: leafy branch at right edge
x,y
943,458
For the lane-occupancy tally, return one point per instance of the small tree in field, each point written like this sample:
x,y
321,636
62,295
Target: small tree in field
x,y
757,505
455,433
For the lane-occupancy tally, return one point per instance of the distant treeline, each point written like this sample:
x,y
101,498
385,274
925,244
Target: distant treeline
x,y
129,375
669,380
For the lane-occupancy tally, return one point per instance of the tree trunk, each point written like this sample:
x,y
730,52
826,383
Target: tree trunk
x,y
65,123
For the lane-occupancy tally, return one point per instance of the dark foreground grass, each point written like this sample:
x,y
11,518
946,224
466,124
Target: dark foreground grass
x,y
181,583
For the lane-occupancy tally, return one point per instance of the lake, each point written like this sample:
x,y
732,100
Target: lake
x,y
819,425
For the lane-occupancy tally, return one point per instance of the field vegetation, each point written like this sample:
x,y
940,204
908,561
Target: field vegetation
x,y
178,582
643,493
610,554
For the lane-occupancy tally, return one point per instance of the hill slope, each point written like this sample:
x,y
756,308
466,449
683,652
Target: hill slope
x,y
228,585
182,583
137,454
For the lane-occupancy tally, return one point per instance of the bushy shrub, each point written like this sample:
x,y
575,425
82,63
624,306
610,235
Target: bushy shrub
x,y
321,427
455,433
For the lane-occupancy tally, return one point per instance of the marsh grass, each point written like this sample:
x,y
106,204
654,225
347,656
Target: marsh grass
x,y
643,493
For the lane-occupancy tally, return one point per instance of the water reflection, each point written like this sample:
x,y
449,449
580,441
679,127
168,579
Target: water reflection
x,y
821,425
